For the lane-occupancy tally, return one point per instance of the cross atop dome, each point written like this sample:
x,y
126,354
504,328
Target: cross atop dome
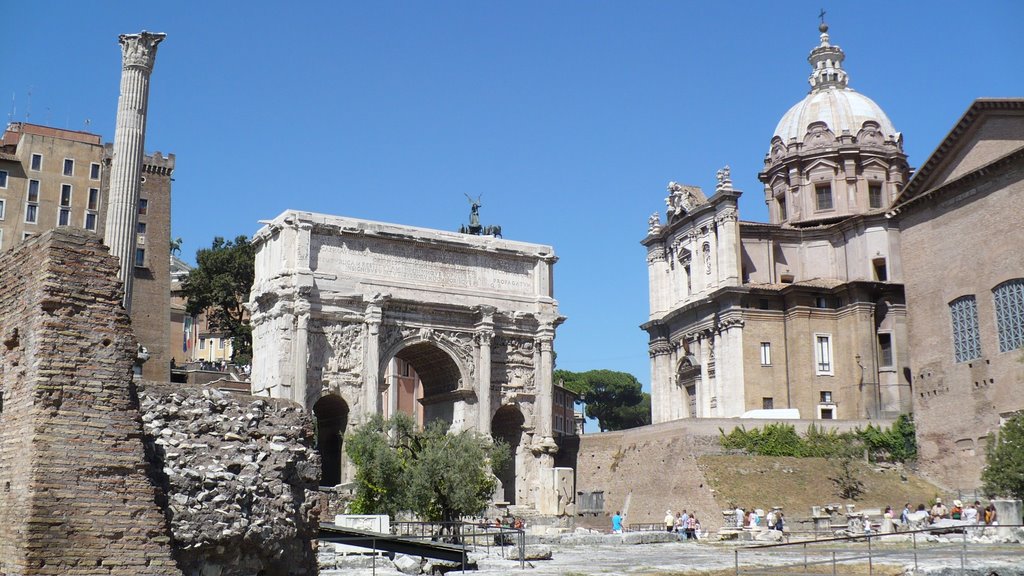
x,y
826,62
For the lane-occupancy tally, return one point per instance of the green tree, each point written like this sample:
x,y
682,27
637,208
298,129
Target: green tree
x,y
381,458
219,286
440,476
1003,475
615,399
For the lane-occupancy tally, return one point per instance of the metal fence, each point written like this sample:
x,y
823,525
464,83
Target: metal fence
x,y
833,556
467,534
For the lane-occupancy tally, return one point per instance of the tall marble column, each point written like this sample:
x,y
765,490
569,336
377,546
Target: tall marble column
x,y
371,382
138,53
485,331
545,391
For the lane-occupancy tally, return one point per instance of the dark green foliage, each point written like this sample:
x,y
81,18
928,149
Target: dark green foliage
x,y
615,399
896,444
380,458
438,475
1003,475
219,286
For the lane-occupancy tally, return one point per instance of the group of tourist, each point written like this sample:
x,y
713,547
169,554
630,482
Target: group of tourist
x,y
752,518
972,514
686,525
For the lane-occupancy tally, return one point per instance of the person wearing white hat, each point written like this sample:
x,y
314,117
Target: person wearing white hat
x,y
957,511
670,521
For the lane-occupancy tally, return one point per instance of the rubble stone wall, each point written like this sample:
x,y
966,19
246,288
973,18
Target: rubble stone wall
x,y
75,497
240,476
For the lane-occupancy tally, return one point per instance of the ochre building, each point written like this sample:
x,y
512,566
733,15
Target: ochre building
x,y
804,312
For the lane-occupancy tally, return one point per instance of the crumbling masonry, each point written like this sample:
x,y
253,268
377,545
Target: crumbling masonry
x,y
74,493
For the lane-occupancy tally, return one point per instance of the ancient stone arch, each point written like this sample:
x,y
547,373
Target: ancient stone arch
x,y
338,303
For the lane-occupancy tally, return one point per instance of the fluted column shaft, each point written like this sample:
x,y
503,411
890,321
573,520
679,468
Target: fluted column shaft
x,y
138,56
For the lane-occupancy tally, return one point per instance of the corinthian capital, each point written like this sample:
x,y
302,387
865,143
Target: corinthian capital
x,y
139,50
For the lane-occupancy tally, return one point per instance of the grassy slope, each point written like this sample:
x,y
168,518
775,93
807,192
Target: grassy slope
x,y
796,484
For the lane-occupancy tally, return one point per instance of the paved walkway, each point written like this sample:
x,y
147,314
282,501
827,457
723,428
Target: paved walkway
x,y
672,559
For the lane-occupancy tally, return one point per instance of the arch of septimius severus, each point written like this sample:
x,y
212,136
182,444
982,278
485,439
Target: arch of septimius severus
x,y
343,310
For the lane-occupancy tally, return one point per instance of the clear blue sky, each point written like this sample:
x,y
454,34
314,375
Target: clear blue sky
x,y
569,117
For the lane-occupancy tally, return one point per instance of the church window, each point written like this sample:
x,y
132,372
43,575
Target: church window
x,y
782,209
966,339
823,355
37,163
94,199
825,396
881,274
140,257
3,178
69,167
143,206
766,353
885,349
768,403
90,221
3,207
823,196
94,171
875,195
1009,300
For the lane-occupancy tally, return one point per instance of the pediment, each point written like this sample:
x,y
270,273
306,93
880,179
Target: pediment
x,y
820,163
989,130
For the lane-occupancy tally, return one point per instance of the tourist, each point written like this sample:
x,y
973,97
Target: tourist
x,y
990,515
957,511
670,520
971,513
617,523
780,522
739,517
939,510
695,533
905,516
755,520
691,527
684,522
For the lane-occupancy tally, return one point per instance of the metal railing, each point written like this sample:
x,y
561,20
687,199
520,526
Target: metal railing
x,y
467,534
825,557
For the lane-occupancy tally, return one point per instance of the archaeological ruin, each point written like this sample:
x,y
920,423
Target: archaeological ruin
x,y
353,317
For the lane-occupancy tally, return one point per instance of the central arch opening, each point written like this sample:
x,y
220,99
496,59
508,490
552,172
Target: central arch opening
x,y
421,381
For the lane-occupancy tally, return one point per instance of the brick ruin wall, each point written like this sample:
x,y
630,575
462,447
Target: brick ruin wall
x,y
645,471
196,483
75,497
239,475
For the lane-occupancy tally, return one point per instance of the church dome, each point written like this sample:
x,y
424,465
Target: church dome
x,y
831,101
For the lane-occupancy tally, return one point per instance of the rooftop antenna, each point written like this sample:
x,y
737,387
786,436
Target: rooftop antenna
x,y
28,108
14,108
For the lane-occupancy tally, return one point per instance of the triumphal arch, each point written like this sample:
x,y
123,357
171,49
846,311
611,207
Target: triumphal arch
x,y
353,317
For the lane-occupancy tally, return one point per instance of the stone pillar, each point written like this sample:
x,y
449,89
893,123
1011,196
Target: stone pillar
x,y
371,376
545,392
661,382
393,391
484,384
138,53
729,248
301,354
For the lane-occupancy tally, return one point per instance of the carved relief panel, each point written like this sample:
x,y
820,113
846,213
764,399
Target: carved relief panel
x,y
512,363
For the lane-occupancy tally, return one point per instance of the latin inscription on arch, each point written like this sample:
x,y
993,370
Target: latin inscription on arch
x,y
420,264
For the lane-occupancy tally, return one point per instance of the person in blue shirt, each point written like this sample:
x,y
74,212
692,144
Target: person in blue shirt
x,y
617,523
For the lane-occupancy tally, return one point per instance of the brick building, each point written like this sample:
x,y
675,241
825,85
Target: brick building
x,y
55,178
960,218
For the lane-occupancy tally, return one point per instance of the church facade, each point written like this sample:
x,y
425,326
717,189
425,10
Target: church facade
x,y
807,311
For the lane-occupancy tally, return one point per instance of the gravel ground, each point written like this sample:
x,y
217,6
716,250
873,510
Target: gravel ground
x,y
672,558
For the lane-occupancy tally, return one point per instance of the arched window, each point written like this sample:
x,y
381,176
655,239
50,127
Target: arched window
x,y
1009,300
966,339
